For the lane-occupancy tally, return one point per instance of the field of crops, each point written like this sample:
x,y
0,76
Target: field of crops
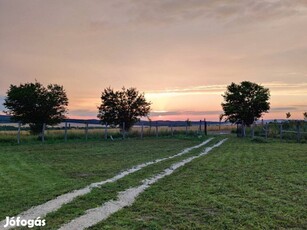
x,y
239,184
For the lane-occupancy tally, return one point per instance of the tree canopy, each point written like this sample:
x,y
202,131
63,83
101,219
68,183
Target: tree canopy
x,y
288,115
245,102
122,107
34,104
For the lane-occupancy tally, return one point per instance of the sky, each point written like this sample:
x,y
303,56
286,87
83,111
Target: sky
x,y
181,53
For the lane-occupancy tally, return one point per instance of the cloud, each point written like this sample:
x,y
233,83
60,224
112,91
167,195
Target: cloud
x,y
285,108
172,92
82,113
178,51
172,11
279,88
283,85
176,113
134,13
300,106
275,88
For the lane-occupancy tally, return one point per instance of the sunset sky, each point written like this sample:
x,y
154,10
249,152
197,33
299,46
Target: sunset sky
x,y
181,53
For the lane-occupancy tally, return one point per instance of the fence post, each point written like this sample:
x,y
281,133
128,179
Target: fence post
x,y
253,130
124,132
65,132
157,130
244,129
150,125
205,127
280,131
186,128
86,131
142,130
298,131
238,130
106,131
43,132
18,133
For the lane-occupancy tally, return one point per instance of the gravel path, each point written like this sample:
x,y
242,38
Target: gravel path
x,y
54,204
127,197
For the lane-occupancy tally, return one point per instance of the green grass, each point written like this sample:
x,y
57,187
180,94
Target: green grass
x,y
243,184
109,191
33,174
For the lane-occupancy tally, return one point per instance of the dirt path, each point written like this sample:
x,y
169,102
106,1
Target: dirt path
x,y
54,204
127,197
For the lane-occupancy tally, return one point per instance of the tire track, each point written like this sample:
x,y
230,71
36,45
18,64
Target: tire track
x,y
52,205
127,197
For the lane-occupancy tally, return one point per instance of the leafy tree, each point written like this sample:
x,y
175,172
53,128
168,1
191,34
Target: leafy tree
x,y
188,122
34,104
125,106
244,103
305,115
288,115
221,116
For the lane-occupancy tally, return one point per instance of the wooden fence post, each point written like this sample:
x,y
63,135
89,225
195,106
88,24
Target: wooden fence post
x,y
142,130
186,128
253,130
106,131
124,131
86,131
65,132
18,133
238,130
150,125
298,131
157,130
280,131
43,132
205,127
244,129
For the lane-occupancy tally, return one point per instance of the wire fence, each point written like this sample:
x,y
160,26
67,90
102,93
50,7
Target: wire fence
x,y
286,130
84,131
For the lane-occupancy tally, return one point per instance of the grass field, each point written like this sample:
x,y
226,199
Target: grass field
x,y
240,185
31,174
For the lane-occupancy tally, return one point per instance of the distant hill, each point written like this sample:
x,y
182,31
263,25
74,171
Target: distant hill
x,y
5,119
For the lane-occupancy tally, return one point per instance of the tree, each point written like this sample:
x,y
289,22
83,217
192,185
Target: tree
x,y
34,104
246,102
188,122
221,116
288,115
122,107
305,115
